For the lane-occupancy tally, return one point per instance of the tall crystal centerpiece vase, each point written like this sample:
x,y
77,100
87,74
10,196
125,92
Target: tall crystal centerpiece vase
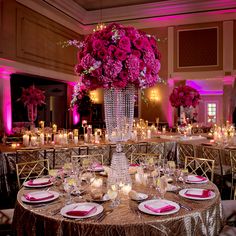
x,y
32,113
119,114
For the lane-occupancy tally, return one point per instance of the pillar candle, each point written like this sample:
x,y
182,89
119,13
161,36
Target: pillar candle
x,y
26,140
41,138
76,139
148,133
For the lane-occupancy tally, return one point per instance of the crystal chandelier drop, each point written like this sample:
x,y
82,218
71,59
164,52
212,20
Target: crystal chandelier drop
x,y
101,25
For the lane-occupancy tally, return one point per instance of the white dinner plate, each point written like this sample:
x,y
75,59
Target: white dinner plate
x,y
70,207
140,197
103,199
56,195
192,179
196,190
26,184
96,169
158,203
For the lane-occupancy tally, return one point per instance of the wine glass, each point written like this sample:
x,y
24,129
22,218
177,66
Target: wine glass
x,y
69,185
184,175
177,174
163,186
113,194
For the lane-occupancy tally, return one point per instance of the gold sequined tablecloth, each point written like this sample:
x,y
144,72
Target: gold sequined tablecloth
x,y
204,220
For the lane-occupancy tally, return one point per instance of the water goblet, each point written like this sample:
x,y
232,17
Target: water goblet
x,y
113,194
69,185
163,186
184,175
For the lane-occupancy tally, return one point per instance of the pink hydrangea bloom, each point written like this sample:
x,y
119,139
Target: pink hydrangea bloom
x,y
117,56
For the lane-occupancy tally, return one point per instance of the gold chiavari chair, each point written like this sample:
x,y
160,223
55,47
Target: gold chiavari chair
x,y
152,158
25,155
200,166
220,171
61,156
232,155
6,216
185,149
87,160
31,169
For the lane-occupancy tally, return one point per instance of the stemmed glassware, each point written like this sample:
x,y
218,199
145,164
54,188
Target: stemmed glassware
x,y
112,192
184,175
70,184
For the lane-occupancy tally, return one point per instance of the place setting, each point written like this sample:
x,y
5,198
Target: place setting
x,y
197,193
38,183
36,197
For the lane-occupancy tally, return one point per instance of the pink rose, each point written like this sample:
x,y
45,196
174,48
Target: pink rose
x,y
97,44
120,54
125,44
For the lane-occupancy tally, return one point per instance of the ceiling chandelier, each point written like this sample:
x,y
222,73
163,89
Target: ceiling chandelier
x,y
101,25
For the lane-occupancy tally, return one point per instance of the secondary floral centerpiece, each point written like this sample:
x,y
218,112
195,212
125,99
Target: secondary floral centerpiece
x,y
81,100
32,97
185,98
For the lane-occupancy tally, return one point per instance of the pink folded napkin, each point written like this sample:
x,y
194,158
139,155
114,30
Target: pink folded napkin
x,y
82,210
134,165
96,166
36,182
196,178
38,196
165,208
201,194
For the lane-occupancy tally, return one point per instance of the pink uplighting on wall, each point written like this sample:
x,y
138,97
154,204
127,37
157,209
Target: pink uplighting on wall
x,y
6,100
76,117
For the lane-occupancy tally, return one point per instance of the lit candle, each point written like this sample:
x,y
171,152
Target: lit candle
x,y
126,189
41,138
13,145
60,139
54,128
26,140
41,123
148,133
97,137
89,129
65,140
163,130
76,132
106,138
76,139
33,140
97,183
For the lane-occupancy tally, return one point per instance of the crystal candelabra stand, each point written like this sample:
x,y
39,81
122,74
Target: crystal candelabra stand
x,y
119,114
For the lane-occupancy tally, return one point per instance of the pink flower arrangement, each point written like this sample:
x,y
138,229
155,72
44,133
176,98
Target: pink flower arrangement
x,y
185,96
117,56
32,96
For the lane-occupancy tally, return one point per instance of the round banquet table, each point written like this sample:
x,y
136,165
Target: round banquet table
x,y
205,218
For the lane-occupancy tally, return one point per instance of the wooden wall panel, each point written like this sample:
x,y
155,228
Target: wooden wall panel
x,y
1,25
37,42
198,47
234,45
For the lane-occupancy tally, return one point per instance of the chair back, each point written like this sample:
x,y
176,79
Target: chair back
x,y
200,166
147,158
185,149
87,160
61,156
213,153
232,155
26,155
31,169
